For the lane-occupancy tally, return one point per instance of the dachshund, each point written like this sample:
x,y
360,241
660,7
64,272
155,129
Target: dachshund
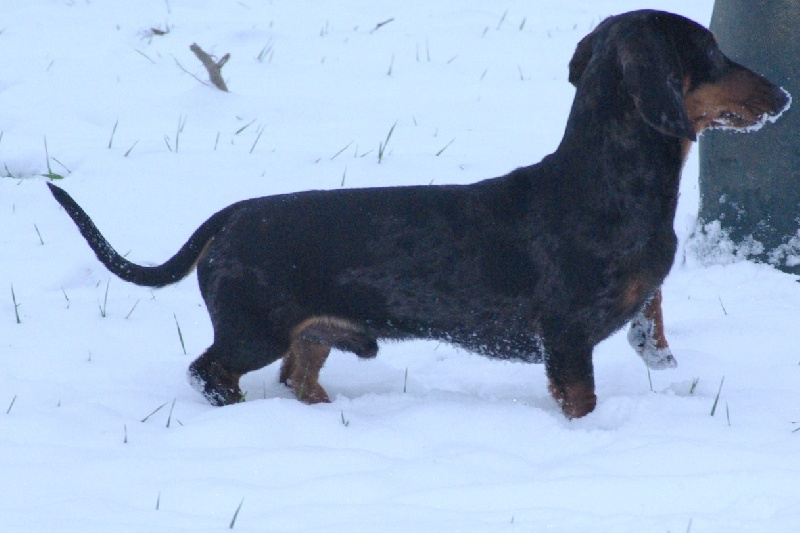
x,y
538,265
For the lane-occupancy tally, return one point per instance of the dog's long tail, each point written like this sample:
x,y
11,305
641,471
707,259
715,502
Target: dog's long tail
x,y
174,270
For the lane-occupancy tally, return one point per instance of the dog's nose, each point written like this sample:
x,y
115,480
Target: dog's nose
x,y
781,99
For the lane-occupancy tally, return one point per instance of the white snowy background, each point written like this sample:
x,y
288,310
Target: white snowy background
x,y
99,429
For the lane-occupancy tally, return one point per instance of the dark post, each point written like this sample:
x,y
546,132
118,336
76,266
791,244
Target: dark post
x,y
750,183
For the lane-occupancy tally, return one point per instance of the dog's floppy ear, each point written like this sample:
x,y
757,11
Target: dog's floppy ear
x,y
652,74
580,59
584,51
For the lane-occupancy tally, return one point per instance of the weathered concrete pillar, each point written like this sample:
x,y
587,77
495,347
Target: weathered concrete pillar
x,y
750,183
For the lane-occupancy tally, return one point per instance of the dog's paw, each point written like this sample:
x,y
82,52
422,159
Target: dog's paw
x,y
641,339
218,395
576,400
308,393
658,358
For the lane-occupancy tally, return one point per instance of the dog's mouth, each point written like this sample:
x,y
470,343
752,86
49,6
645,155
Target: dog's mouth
x,y
729,120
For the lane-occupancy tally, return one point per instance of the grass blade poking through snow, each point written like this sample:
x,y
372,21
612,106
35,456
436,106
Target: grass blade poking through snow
x,y
382,146
131,149
445,148
502,19
131,311
181,124
113,131
16,305
716,400
391,66
240,130
337,154
50,174
236,514
266,53
14,399
169,418
180,334
258,136
157,409
103,312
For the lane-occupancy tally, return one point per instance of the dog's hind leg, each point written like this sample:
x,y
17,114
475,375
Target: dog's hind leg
x,y
571,376
216,373
311,343
300,370
217,382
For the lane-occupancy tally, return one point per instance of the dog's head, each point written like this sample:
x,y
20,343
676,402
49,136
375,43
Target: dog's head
x,y
679,80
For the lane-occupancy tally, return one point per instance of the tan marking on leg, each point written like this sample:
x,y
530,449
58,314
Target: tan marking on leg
x,y
302,363
633,293
328,322
337,333
305,359
653,312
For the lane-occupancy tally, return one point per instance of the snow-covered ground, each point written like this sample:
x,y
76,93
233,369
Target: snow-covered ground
x,y
99,429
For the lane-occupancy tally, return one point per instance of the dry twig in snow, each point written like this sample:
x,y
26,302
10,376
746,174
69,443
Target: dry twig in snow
x,y
214,68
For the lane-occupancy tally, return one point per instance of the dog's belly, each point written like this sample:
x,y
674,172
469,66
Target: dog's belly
x,y
511,345
471,317
494,339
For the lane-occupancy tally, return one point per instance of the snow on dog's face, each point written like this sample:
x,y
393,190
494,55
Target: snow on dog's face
x,y
740,100
720,93
676,74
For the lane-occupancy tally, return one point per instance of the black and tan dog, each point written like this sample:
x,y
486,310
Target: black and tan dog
x,y
539,265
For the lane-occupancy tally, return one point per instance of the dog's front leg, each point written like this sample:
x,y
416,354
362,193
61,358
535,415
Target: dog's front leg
x,y
571,376
646,335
